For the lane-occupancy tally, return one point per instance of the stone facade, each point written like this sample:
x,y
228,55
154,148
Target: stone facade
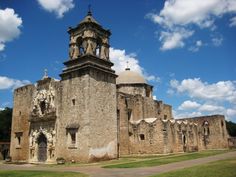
x,y
89,115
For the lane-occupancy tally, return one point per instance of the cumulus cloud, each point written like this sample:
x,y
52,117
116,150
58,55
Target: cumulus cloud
x,y
188,105
185,114
233,21
214,98
59,7
10,24
186,14
196,47
123,60
9,83
217,41
195,88
174,39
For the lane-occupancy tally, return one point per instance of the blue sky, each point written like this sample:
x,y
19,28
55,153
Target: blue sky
x,y
185,49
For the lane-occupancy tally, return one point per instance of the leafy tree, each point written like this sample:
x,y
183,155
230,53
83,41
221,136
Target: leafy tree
x,y
231,127
5,124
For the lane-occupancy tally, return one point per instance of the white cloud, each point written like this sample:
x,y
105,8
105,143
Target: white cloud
x,y
195,88
9,83
186,14
233,21
1,109
217,41
10,23
154,97
59,7
211,108
123,60
196,47
178,115
188,105
231,112
174,39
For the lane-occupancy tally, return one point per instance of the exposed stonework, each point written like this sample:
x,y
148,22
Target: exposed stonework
x,y
89,115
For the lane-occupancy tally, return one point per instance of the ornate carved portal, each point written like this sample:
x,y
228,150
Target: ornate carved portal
x,y
42,144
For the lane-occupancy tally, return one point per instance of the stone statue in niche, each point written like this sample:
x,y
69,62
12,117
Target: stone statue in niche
x,y
89,34
43,102
104,49
104,52
89,47
74,49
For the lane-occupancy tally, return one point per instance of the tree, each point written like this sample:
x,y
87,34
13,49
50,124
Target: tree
x,y
5,124
231,127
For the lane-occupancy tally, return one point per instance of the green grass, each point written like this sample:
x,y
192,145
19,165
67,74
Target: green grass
x,y
165,160
18,173
223,168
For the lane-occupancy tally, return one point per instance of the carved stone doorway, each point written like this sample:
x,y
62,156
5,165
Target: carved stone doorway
x,y
42,148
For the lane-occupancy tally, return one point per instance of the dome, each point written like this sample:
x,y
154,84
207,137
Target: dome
x,y
130,77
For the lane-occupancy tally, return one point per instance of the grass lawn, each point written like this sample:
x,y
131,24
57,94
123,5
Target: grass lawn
x,y
165,160
18,173
223,168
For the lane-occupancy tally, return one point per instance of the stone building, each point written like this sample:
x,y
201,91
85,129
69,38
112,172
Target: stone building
x,y
92,114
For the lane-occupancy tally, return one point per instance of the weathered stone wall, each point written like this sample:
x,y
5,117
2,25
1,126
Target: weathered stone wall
x,y
103,116
19,151
213,134
132,89
74,113
88,103
135,114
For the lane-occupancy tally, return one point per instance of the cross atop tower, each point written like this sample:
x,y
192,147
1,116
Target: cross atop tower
x,y
127,66
45,74
89,10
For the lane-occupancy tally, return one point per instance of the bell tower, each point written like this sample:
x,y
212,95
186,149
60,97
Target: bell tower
x,y
88,95
89,45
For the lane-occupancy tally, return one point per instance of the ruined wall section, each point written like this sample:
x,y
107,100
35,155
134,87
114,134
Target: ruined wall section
x,y
146,137
19,150
212,131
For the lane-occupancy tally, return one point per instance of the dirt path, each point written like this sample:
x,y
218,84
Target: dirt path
x,y
96,171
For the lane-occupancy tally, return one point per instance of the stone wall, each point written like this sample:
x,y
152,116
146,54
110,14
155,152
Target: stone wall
x,y
19,150
212,131
88,105
132,89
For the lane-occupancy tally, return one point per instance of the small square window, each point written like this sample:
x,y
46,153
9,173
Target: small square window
x,y
142,137
18,138
73,102
73,137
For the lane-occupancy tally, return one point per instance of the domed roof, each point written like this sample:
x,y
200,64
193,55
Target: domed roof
x,y
130,77
89,19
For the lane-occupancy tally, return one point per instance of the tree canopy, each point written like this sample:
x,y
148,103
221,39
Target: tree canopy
x,y
5,124
231,127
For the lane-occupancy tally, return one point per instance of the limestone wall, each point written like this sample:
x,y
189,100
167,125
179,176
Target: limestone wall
x,y
134,89
103,116
88,105
212,131
74,113
19,150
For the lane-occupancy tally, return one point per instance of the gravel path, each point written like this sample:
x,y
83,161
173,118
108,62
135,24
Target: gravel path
x,y
97,171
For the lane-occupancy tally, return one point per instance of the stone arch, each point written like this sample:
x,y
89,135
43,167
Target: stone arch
x,y
79,43
98,47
